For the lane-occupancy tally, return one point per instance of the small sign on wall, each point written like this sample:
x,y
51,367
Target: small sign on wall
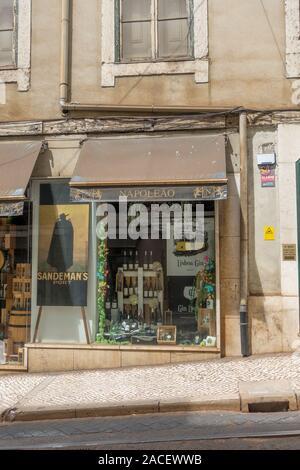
x,y
267,176
269,232
289,252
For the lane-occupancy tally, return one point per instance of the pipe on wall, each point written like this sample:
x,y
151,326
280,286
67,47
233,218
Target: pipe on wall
x,y
64,85
244,317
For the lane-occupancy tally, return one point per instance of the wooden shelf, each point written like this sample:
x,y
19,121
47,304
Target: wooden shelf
x,y
134,273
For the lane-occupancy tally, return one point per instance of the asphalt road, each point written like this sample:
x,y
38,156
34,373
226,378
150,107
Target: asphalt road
x,y
180,431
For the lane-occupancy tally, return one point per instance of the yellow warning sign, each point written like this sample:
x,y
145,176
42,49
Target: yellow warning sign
x,y
269,232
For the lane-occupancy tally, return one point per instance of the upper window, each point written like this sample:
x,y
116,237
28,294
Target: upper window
x,y
15,36
7,33
154,29
154,37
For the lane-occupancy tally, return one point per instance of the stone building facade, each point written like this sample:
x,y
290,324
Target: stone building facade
x,y
106,70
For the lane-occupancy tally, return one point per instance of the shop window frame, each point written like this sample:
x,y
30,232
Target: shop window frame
x,y
180,347
112,67
19,71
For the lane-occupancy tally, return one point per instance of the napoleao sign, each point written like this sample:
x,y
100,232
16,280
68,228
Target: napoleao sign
x,y
63,255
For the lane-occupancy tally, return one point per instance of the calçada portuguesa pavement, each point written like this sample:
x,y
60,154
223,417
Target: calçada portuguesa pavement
x,y
222,384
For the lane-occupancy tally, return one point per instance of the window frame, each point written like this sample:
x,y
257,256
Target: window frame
x,y
154,20
19,71
112,66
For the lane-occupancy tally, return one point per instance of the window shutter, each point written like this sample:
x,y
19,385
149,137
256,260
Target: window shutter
x,y
172,9
173,38
136,40
136,29
133,10
6,32
173,28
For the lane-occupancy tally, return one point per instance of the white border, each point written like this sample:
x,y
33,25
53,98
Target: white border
x,y
198,66
21,74
292,20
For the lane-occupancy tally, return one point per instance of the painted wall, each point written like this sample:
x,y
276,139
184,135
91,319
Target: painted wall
x,y
273,283
246,56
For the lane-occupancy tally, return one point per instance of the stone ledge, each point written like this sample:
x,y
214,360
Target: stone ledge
x,y
124,409
231,404
96,346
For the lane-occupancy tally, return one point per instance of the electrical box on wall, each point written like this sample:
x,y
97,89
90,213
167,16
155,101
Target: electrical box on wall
x,y
264,159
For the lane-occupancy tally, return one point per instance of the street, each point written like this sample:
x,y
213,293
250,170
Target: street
x,y
178,431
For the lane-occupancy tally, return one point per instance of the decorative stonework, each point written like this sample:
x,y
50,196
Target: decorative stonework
x,y
197,66
21,73
292,18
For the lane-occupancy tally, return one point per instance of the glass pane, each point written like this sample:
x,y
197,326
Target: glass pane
x,y
6,57
15,285
158,291
172,9
173,38
6,14
133,10
136,40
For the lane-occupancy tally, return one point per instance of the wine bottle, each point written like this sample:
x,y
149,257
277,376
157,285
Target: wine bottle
x,y
126,286
150,263
130,288
151,288
130,261
108,309
114,311
125,265
146,260
136,260
159,316
155,293
146,288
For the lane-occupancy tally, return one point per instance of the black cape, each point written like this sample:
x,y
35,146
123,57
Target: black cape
x,y
60,254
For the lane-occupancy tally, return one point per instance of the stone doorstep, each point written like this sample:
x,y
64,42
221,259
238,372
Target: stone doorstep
x,y
267,391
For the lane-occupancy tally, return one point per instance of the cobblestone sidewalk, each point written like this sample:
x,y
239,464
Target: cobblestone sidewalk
x,y
216,379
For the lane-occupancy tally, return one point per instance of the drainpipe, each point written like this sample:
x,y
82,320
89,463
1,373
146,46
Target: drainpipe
x,y
244,328
64,85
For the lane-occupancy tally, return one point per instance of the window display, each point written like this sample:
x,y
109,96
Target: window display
x,y
15,286
158,291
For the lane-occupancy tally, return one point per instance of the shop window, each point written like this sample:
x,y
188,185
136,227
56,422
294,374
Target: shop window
x,y
157,290
15,42
15,286
64,296
154,37
155,29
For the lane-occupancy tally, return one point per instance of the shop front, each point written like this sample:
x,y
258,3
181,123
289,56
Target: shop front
x,y
121,275
123,257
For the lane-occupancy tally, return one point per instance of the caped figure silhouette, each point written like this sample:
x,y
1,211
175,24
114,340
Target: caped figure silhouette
x,y
60,254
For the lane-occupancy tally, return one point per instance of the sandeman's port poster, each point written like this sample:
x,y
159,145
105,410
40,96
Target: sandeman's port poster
x,y
63,255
